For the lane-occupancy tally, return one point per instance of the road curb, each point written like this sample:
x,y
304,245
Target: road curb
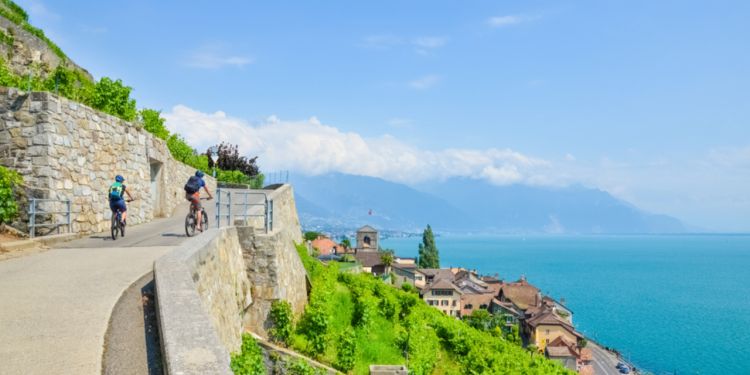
x,y
33,243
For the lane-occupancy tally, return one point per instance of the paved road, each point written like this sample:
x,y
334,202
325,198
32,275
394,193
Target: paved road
x,y
604,362
56,305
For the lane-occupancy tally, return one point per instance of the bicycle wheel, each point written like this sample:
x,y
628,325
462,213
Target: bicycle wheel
x,y
114,226
190,224
204,219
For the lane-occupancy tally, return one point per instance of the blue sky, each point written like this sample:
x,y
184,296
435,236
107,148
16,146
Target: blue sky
x,y
645,99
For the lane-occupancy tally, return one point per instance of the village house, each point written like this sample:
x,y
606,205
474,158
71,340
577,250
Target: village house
x,y
325,246
443,295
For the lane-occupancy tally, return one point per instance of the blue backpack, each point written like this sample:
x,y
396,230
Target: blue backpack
x,y
193,184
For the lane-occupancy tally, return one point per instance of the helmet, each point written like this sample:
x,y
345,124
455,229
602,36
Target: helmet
x,y
119,178
199,173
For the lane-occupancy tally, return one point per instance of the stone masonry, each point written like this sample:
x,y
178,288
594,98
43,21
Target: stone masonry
x,y
273,265
65,150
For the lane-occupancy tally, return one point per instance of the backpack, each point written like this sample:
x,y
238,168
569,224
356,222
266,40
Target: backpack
x,y
193,185
115,191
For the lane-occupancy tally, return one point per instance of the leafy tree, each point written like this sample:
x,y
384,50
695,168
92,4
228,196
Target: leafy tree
x,y
582,343
480,319
9,181
346,242
229,159
428,252
387,257
154,123
311,235
114,97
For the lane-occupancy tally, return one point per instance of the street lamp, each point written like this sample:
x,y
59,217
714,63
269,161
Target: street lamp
x,y
214,155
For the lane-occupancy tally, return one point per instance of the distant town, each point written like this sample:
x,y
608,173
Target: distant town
x,y
539,322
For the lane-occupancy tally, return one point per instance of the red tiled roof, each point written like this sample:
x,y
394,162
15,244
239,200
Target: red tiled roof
x,y
324,245
523,294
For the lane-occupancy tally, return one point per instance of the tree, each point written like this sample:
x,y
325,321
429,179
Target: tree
x,y
229,159
387,257
428,252
346,243
311,235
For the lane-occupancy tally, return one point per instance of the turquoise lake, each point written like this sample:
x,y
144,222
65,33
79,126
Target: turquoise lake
x,y
672,304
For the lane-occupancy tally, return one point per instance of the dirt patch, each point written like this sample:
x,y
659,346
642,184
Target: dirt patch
x,y
7,237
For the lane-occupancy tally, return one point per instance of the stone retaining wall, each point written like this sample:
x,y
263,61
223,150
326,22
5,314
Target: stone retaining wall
x,y
222,283
202,292
65,150
273,265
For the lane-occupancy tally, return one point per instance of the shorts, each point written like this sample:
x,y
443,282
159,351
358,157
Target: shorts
x,y
195,199
118,205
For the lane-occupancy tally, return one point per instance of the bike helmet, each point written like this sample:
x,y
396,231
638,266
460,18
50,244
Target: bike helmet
x,y
199,173
119,178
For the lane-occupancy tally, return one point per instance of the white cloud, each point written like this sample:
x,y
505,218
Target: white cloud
x,y
421,45
310,147
504,21
425,82
382,41
214,57
429,42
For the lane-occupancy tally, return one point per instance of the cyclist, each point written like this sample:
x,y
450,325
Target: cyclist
x,y
193,194
117,193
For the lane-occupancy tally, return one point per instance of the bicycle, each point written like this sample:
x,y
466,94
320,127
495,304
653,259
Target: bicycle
x,y
117,224
191,219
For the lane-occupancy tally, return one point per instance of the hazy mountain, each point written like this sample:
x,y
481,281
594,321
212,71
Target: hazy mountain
x,y
351,201
468,205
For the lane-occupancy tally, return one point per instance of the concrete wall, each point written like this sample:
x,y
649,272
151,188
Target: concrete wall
x,y
65,150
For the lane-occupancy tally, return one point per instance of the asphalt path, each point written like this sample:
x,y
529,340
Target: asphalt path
x,y
160,232
604,362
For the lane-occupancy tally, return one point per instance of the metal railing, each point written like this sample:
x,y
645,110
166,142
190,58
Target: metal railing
x,y
243,207
35,210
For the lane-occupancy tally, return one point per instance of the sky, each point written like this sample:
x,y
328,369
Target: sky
x,y
647,100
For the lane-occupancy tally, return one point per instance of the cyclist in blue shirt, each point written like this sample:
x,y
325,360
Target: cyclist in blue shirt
x,y
117,193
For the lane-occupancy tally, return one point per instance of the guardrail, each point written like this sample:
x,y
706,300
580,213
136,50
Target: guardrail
x,y
243,207
35,210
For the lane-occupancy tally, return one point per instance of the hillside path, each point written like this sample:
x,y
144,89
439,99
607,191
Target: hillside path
x,y
55,305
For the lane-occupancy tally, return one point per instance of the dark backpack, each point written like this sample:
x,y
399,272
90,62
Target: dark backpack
x,y
193,184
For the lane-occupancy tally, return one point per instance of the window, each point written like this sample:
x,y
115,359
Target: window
x,y
468,306
418,278
547,333
442,292
444,302
454,303
482,306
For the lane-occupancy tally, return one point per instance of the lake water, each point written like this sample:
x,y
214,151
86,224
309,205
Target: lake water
x,y
672,304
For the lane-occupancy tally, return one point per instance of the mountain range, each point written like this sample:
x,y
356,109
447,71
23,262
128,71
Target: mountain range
x,y
465,205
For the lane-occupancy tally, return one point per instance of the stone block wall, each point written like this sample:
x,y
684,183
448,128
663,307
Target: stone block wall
x,y
65,150
273,265
201,294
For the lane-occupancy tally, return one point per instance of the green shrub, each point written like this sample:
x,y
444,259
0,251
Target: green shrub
x,y
17,10
300,367
114,97
9,182
154,123
249,361
346,351
283,321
